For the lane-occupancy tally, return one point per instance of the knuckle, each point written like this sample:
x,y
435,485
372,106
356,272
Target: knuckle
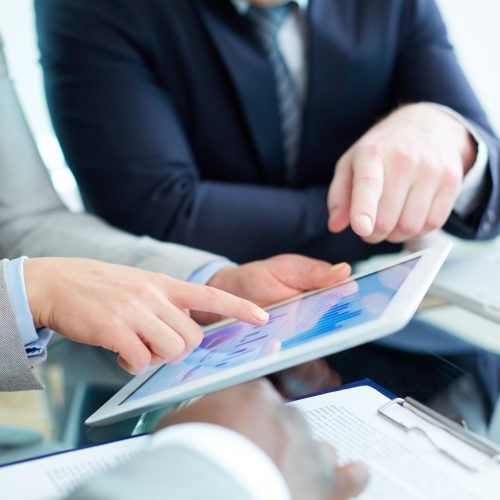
x,y
177,347
111,324
143,358
143,290
373,151
435,222
403,160
409,226
193,340
384,225
452,179
371,181
430,171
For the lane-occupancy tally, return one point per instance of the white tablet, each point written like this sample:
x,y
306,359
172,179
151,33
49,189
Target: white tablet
x,y
316,324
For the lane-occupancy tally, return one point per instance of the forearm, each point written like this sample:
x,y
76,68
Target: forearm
x,y
192,450
59,233
242,222
33,220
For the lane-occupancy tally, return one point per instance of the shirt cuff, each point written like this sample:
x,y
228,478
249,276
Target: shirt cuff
x,y
475,179
204,274
34,340
244,461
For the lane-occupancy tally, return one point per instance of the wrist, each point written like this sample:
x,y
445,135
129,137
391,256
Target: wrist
x,y
461,136
33,280
223,278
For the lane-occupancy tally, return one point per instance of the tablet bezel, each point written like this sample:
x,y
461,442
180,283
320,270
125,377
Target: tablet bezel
x,y
396,315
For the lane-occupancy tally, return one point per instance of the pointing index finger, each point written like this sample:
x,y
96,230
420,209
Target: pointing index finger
x,y
213,300
368,183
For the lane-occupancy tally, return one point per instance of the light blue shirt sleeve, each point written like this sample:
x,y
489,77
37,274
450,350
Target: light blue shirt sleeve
x,y
35,340
204,274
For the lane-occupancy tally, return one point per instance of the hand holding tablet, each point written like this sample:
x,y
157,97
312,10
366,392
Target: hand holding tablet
x,y
312,325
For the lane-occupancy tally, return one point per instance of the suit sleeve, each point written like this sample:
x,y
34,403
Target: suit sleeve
x,y
16,369
34,221
428,70
123,138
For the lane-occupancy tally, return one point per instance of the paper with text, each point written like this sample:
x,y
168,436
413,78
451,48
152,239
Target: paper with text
x,y
53,477
402,465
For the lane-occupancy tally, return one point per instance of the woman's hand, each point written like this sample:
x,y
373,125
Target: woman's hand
x,y
142,316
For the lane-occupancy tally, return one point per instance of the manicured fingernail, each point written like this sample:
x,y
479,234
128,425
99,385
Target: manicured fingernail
x,y
261,315
338,267
365,223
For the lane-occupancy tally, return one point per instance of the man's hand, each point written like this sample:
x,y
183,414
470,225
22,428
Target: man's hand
x,y
279,278
256,411
138,314
402,178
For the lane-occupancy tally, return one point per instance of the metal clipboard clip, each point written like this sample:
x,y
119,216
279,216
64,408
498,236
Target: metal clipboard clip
x,y
476,442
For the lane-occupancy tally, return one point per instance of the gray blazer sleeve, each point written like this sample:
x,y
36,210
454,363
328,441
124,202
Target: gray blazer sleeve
x,y
15,367
34,221
166,473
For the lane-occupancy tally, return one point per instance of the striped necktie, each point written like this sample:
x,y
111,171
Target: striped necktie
x,y
268,21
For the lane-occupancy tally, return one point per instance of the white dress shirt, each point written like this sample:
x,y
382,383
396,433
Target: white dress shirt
x,y
244,461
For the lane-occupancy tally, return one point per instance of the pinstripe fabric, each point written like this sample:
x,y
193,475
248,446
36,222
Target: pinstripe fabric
x,y
15,367
268,21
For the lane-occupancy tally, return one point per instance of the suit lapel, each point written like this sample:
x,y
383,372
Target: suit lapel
x,y
252,77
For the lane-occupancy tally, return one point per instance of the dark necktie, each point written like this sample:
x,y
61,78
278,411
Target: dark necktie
x,y
268,21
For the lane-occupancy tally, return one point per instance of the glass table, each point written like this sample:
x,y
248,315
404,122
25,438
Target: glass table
x,y
431,360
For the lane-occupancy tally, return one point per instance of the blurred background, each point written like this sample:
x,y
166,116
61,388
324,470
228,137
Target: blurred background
x,y
473,27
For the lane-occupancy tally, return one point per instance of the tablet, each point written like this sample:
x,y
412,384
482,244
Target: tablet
x,y
312,325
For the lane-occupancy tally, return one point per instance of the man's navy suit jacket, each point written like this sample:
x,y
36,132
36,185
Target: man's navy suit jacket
x,y
167,114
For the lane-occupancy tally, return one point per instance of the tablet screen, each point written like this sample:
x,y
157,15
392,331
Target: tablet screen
x,y
290,325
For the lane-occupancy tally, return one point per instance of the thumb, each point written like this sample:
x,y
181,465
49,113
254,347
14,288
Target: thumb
x,y
303,273
324,274
351,480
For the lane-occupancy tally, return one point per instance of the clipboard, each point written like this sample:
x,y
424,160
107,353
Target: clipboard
x,y
484,447
488,452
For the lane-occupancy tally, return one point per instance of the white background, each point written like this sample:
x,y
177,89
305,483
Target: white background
x,y
473,24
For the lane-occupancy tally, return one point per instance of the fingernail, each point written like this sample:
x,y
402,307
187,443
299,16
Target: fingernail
x,y
338,267
365,223
261,315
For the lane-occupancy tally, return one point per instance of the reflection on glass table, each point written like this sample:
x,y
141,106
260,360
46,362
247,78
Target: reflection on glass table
x,y
462,382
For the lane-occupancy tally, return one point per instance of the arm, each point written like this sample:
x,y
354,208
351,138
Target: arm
x,y
34,221
202,440
412,172
428,71
131,153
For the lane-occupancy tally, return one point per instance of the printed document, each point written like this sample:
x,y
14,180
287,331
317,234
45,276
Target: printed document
x,y
402,465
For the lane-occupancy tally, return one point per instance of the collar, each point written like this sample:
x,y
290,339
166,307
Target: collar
x,y
242,6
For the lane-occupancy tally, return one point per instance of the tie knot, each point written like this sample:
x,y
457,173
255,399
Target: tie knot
x,y
269,20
